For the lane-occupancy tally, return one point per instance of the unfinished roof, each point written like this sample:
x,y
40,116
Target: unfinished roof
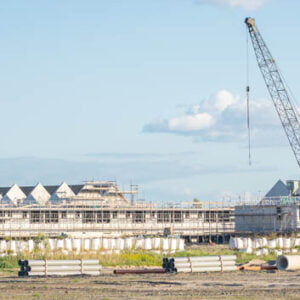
x,y
4,190
76,188
27,189
39,195
105,193
51,189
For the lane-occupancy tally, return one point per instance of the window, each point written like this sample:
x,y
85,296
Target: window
x,y
152,214
128,214
210,216
115,214
51,217
187,214
77,215
278,211
36,217
25,214
177,217
138,217
88,217
103,217
168,216
224,216
63,214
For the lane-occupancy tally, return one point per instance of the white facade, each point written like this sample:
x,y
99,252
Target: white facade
x,y
63,192
38,195
14,196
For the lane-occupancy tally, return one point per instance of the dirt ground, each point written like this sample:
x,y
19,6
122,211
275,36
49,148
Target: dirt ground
x,y
234,285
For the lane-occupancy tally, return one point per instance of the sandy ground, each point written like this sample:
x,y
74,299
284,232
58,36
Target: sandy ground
x,y
234,285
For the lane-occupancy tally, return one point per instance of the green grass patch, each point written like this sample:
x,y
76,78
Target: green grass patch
x,y
136,258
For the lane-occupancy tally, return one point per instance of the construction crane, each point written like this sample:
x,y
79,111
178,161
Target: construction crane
x,y
275,84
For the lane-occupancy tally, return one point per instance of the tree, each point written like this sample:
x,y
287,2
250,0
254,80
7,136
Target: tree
x,y
197,203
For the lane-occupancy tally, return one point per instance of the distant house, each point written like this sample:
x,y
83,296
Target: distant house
x,y
13,196
282,193
61,193
39,196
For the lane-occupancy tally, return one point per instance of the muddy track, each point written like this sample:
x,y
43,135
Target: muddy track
x,y
235,285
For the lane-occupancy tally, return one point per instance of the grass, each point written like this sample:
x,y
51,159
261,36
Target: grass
x,y
138,258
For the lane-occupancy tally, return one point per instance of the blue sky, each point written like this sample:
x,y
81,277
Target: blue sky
x,y
149,92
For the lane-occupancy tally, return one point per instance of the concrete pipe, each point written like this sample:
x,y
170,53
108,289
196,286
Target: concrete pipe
x,y
62,268
228,257
288,262
206,269
35,262
92,273
203,264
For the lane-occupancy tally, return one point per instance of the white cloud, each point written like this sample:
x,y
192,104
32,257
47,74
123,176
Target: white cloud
x,y
223,99
245,4
192,122
222,118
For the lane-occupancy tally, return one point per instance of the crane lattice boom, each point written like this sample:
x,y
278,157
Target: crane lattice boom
x,y
277,90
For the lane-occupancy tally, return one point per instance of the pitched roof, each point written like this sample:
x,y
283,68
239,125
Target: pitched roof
x,y
38,195
4,190
76,188
278,190
14,195
27,189
51,189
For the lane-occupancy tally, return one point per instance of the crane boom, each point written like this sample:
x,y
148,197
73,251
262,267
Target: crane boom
x,y
276,87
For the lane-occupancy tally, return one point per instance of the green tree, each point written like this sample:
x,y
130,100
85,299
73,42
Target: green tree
x,y
197,203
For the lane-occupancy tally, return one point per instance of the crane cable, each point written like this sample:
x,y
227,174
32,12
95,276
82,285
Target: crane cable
x,y
248,98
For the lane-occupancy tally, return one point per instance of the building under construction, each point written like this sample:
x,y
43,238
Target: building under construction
x,y
100,208
278,211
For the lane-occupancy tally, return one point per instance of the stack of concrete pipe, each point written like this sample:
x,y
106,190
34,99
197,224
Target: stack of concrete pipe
x,y
59,267
217,263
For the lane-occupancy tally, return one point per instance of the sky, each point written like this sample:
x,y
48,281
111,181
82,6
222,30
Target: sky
x,y
144,92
